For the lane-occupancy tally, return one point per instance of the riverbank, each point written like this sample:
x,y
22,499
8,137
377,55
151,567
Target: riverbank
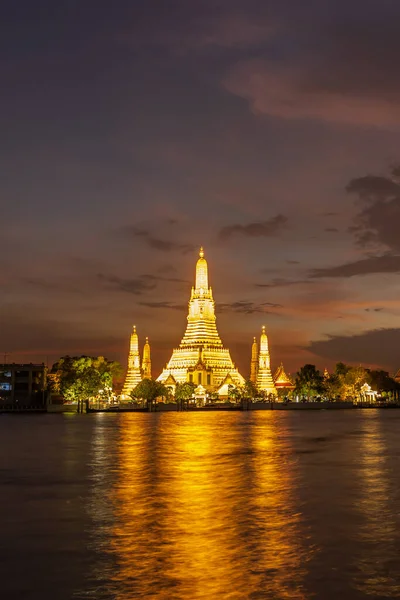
x,y
245,406
174,407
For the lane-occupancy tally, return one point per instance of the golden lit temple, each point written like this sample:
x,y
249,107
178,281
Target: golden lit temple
x,y
146,362
264,380
135,374
254,362
283,381
201,357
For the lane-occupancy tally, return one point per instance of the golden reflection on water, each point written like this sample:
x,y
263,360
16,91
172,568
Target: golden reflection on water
x,y
378,530
203,508
280,543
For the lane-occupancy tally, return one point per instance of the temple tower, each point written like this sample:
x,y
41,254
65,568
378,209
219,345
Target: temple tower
x,y
146,362
254,362
282,381
265,382
133,374
201,357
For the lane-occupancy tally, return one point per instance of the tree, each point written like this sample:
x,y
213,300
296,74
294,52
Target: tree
x,y
333,386
236,392
382,383
341,369
184,391
309,381
353,381
80,378
149,390
250,390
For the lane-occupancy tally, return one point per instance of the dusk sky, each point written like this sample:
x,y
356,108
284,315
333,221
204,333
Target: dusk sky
x,y
133,132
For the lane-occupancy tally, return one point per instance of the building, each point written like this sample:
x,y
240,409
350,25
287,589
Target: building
x,y
283,383
135,373
23,384
397,376
201,357
264,380
254,362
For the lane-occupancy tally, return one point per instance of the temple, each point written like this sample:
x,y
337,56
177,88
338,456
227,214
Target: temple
x,y
282,381
146,362
397,376
254,362
264,381
201,357
133,375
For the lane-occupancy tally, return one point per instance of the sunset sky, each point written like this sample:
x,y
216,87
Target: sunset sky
x,y
132,132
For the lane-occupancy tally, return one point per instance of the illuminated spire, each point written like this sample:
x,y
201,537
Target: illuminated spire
x,y
254,361
146,362
263,341
134,346
201,272
201,328
264,375
133,374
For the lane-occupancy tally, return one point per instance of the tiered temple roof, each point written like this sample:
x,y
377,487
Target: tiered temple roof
x,y
201,357
281,380
133,375
265,382
146,362
254,361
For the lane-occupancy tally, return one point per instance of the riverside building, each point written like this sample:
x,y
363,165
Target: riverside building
x,y
22,384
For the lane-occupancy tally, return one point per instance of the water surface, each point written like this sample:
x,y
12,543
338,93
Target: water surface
x,y
178,506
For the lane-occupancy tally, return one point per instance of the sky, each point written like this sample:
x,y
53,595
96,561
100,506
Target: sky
x,y
134,132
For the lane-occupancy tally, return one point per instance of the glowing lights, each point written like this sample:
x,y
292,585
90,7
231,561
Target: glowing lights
x,y
201,356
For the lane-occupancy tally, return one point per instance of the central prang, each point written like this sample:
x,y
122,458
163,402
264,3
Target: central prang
x,y
201,357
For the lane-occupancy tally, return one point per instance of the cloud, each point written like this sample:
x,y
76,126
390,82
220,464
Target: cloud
x,y
158,243
194,28
246,307
376,223
163,305
309,74
165,279
374,188
284,93
167,268
259,229
280,282
366,266
331,229
136,286
378,309
374,347
50,286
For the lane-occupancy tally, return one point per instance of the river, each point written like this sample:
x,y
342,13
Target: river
x,y
187,506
